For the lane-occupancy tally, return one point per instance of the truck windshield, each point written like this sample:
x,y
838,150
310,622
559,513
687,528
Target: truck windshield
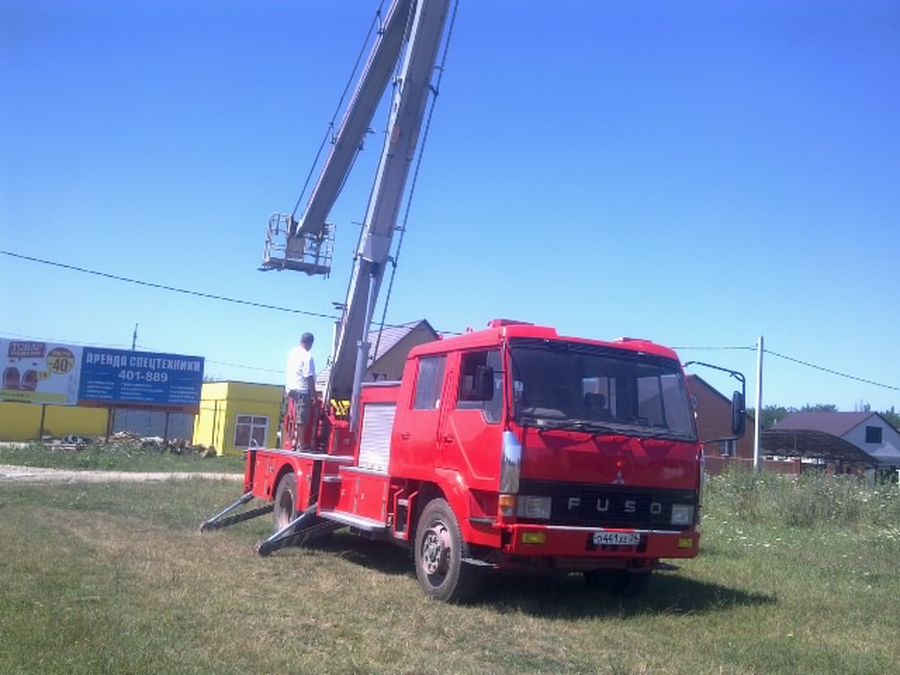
x,y
563,385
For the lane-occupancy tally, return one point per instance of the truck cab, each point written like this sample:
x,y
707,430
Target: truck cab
x,y
541,451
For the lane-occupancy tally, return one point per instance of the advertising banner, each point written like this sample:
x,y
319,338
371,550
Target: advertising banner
x,y
121,378
39,372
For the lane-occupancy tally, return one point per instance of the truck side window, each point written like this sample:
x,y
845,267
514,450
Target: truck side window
x,y
467,398
429,382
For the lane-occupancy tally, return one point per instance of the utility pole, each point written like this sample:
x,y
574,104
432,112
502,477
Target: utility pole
x,y
757,419
134,338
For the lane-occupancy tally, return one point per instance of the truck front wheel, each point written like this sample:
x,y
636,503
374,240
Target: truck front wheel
x,y
439,553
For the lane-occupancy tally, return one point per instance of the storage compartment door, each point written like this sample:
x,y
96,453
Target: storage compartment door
x,y
375,442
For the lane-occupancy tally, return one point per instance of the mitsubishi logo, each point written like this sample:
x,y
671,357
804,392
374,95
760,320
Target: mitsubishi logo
x,y
619,479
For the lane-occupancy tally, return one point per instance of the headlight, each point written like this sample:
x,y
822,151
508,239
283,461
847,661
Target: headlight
x,y
682,514
533,507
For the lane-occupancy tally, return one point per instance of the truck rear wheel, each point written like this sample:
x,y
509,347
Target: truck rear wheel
x,y
285,501
439,553
625,583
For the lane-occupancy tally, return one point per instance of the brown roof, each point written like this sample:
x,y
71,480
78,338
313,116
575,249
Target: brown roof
x,y
834,423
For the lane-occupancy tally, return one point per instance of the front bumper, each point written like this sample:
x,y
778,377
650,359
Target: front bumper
x,y
560,541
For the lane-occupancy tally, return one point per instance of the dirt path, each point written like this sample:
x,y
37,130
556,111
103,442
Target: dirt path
x,y
27,474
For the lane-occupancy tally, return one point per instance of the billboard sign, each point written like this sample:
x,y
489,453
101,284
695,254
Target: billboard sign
x,y
39,372
121,378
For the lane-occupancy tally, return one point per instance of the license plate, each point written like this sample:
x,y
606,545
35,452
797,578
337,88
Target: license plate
x,y
616,539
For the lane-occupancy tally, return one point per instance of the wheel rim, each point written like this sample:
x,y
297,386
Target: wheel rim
x,y
436,551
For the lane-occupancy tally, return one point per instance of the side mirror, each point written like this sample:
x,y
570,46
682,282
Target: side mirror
x,y
484,383
738,414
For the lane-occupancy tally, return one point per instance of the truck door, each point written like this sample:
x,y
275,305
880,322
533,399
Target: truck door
x,y
416,429
470,435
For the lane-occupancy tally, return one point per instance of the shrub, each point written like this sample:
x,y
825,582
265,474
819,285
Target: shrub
x,y
807,500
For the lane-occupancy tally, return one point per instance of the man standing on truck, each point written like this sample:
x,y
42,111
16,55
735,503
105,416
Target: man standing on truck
x,y
300,382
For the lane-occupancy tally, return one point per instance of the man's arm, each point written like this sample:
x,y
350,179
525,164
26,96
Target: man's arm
x,y
311,379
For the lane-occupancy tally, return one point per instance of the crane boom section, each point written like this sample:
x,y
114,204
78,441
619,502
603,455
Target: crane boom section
x,y
369,91
404,126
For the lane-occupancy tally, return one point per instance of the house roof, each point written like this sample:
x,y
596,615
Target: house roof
x,y
390,337
834,423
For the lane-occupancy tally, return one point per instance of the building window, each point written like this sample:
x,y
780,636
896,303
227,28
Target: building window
x,y
250,431
873,435
430,382
727,448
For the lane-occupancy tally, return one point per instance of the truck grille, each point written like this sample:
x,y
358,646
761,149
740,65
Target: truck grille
x,y
609,506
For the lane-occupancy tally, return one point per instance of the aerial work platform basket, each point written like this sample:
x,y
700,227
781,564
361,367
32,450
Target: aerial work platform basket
x,y
287,248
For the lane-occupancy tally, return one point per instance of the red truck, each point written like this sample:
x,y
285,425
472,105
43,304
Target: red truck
x,y
511,447
507,448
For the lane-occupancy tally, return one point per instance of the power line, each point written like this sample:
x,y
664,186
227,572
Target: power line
x,y
186,291
165,287
801,362
320,315
830,371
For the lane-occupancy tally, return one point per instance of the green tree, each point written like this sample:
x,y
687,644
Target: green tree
x,y
771,414
819,407
892,417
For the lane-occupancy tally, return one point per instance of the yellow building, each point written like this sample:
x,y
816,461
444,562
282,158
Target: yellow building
x,y
235,415
22,421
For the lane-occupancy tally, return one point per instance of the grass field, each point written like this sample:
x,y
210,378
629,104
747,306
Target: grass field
x,y
114,578
115,457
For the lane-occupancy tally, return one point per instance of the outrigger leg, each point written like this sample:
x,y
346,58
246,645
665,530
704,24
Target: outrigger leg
x,y
303,524
219,520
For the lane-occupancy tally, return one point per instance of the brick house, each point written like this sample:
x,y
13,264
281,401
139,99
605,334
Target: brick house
x,y
713,410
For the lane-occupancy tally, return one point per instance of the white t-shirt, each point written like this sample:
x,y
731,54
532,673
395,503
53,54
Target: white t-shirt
x,y
300,366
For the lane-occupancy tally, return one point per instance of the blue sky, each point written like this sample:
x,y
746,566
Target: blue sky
x,y
697,173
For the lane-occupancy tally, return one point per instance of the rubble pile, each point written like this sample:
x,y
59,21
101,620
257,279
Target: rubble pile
x,y
175,446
